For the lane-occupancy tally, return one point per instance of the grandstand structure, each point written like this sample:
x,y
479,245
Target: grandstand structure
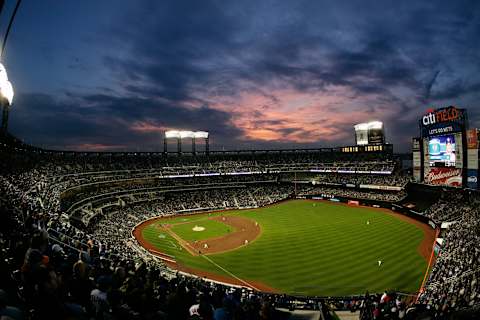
x,y
90,201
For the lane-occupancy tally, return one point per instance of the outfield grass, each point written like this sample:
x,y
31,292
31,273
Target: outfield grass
x,y
317,249
213,229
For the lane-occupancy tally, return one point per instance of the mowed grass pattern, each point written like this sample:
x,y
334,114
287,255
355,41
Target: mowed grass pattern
x,y
213,229
318,248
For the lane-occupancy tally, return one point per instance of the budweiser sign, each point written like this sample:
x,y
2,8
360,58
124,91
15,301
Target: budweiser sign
x,y
444,176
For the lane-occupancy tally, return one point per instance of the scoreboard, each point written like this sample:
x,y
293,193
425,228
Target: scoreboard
x,y
369,133
446,153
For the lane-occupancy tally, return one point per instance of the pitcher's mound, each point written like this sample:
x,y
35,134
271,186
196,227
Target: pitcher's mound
x,y
198,228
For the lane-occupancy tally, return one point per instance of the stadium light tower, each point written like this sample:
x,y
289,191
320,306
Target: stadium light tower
x,y
201,135
188,134
172,134
6,89
6,96
179,135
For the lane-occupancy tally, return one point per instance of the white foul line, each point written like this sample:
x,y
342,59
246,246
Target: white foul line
x,y
231,274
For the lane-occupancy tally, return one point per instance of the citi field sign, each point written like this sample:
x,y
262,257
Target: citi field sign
x,y
445,120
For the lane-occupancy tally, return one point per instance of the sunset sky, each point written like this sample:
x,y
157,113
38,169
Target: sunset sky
x,y
113,75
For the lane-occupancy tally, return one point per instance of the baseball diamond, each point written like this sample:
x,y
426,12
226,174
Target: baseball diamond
x,y
314,248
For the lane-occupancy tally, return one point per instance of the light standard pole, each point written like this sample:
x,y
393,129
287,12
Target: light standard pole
x,y
4,43
6,110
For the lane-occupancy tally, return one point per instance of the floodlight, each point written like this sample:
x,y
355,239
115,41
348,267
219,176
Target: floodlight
x,y
6,90
361,126
3,73
186,134
375,125
201,134
172,134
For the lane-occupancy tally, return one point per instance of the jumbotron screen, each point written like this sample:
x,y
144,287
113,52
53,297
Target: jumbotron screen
x,y
441,150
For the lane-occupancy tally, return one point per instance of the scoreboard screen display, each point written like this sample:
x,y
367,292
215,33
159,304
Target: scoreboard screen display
x,y
441,151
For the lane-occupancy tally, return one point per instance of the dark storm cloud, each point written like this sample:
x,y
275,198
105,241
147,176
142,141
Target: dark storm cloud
x,y
281,59
102,119
57,123
456,90
198,55
387,60
166,47
133,109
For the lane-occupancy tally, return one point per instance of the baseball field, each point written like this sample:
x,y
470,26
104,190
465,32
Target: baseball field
x,y
297,247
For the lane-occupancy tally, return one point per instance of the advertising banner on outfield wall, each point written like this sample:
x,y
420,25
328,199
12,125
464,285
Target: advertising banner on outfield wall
x,y
417,160
459,150
416,144
380,187
444,176
472,139
472,159
472,179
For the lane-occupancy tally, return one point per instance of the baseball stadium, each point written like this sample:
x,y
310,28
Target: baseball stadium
x,y
311,229
167,220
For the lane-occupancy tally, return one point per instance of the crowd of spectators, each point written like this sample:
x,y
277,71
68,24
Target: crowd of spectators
x,y
364,179
96,174
130,164
53,270
349,193
453,283
157,185
65,282
450,207
116,225
50,269
386,305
